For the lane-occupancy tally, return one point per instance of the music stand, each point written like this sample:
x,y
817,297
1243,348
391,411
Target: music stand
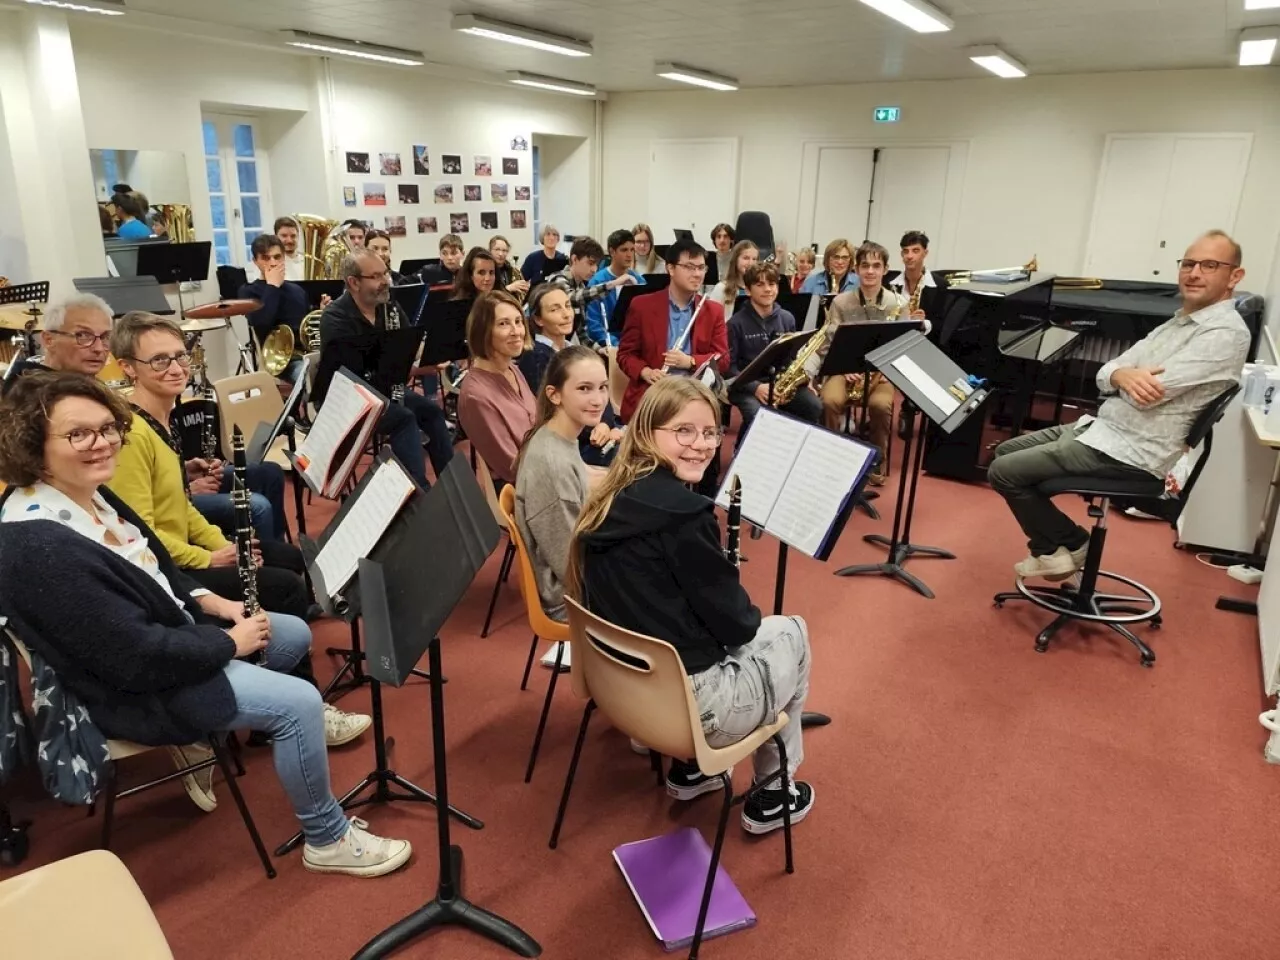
x,y
927,377
404,534
25,292
618,319
446,325
125,294
398,351
315,289
404,614
175,263
411,298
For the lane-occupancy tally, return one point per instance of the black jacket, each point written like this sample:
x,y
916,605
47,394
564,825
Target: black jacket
x,y
284,305
111,633
749,334
655,566
348,340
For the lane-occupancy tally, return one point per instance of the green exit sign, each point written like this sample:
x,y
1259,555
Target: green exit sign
x,y
887,114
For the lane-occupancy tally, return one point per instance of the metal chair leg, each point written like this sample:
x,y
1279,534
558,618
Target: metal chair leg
x,y
546,710
528,664
109,804
219,751
503,570
785,779
573,769
725,807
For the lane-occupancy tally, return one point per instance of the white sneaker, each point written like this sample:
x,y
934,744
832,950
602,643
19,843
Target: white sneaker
x,y
638,747
1058,565
199,784
341,727
358,854
549,658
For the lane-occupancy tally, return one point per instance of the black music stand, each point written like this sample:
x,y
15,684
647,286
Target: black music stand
x,y
405,612
618,319
125,294
25,292
446,325
315,289
175,263
933,378
404,535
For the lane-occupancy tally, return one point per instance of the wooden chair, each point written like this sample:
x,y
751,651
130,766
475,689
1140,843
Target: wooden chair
x,y
543,626
123,749
617,381
485,479
641,685
86,907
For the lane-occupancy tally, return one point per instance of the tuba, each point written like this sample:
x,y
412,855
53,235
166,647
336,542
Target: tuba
x,y
178,224
322,247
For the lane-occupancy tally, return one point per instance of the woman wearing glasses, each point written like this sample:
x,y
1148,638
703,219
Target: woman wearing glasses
x,y
647,557
88,586
837,274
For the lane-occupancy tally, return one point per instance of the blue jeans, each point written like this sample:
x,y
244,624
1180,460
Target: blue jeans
x,y
291,712
266,501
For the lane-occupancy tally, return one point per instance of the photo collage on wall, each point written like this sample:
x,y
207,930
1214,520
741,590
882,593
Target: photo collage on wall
x,y
466,205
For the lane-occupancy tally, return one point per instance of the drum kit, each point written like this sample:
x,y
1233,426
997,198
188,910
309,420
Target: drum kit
x,y
200,320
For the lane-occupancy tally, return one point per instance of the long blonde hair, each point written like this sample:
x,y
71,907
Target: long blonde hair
x,y
734,280
638,456
650,262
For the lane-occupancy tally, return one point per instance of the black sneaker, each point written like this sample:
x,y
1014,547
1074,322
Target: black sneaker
x,y
763,812
686,781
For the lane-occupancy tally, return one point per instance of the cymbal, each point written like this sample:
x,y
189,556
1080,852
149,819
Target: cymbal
x,y
202,325
14,316
223,309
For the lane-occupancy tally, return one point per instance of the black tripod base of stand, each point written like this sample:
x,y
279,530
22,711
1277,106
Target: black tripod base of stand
x,y
863,502
895,566
811,718
351,675
381,782
450,908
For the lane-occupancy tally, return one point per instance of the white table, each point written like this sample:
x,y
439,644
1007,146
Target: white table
x,y
1268,605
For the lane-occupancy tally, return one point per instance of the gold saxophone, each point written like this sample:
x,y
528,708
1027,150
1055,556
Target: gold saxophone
x,y
789,382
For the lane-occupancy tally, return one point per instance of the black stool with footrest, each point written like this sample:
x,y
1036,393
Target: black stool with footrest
x,y
1082,600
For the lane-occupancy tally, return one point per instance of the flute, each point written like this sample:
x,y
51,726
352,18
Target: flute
x,y
679,345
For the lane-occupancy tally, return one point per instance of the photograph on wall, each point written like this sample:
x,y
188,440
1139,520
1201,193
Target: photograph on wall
x,y
511,166
459,223
357,163
395,226
408,192
471,191
389,164
427,225
451,163
522,193
519,143
498,192
375,195
421,161
483,167
489,220
348,196
444,193
519,220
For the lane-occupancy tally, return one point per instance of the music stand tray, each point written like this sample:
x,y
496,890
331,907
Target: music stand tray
x,y
315,289
618,319
446,325
125,294
175,262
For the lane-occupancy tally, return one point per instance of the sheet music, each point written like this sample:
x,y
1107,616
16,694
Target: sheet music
x,y
344,406
825,470
363,525
934,392
764,462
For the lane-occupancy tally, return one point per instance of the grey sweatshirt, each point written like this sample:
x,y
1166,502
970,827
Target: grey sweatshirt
x,y
551,487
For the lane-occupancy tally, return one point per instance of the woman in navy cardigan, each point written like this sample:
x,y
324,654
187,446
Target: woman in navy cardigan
x,y
154,659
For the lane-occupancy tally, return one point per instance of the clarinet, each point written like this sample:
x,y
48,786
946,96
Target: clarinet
x,y
245,564
391,321
731,551
208,435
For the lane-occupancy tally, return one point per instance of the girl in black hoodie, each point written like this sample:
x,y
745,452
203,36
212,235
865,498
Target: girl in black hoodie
x,y
647,557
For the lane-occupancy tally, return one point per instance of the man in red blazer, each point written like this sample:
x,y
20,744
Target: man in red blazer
x,y
656,321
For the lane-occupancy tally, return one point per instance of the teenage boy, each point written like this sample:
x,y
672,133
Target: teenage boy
x,y
577,280
622,258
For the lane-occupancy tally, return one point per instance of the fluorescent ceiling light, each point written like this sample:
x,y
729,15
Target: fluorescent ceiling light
x,y
110,8
997,61
521,36
699,78
916,14
551,83
1258,46
1261,4
353,48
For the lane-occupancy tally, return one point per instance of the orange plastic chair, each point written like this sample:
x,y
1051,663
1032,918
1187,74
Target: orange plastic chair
x,y
543,626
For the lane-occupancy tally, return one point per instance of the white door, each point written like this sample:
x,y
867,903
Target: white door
x,y
236,172
910,194
693,184
1155,194
841,196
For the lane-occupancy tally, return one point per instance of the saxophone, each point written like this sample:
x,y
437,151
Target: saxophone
x,y
245,564
789,382
732,538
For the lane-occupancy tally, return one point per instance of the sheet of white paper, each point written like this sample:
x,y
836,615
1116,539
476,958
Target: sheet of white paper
x,y
344,404
934,392
364,525
823,474
763,462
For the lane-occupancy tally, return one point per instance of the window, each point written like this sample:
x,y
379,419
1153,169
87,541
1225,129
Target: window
x,y
235,171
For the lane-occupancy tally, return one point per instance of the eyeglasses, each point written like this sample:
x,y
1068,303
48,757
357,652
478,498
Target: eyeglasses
x,y
692,267
85,438
371,276
687,434
161,362
84,338
1206,266
844,257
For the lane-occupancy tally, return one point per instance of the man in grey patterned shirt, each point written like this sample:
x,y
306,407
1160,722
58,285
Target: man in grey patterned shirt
x,y
1156,389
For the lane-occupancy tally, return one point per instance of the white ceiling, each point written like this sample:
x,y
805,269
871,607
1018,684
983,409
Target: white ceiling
x,y
767,42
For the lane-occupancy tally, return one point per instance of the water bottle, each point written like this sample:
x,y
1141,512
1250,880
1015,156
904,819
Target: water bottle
x,y
1255,386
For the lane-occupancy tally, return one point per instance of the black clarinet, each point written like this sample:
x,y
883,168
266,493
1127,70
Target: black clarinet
x,y
391,321
208,433
731,552
245,564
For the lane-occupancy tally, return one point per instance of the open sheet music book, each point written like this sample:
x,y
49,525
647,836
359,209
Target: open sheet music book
x,y
380,499
342,428
798,480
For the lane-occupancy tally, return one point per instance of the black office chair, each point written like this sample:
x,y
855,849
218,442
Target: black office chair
x,y
1083,601
754,225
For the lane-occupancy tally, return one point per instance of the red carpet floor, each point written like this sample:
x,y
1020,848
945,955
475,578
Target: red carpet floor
x,y
975,799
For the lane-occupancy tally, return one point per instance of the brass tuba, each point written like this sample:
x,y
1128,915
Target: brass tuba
x,y
322,247
178,224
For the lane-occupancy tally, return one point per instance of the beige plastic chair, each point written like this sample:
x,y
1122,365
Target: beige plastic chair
x,y
247,401
485,479
618,381
640,684
118,750
86,907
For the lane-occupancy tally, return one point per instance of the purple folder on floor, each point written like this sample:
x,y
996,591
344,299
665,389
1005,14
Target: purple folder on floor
x,y
667,874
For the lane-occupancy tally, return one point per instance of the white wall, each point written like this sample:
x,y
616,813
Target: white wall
x,y
1035,148
565,183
